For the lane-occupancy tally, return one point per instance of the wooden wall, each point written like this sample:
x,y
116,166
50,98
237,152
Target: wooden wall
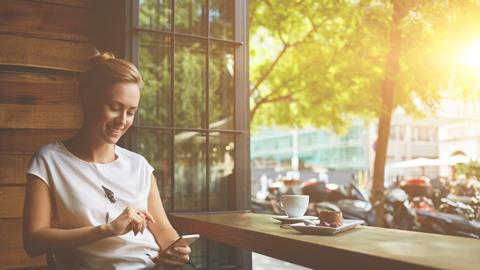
x,y
43,46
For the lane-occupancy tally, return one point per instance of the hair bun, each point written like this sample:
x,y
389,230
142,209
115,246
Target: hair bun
x,y
100,57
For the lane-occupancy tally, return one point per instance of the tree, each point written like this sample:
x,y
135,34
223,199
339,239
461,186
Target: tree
x,y
319,62
301,54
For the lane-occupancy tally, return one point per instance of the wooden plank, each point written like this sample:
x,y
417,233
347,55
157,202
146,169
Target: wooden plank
x,y
360,248
44,20
27,141
40,116
32,88
17,257
72,3
44,53
11,233
13,168
11,200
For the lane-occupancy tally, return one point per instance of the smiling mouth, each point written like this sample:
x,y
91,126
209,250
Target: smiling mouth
x,y
116,131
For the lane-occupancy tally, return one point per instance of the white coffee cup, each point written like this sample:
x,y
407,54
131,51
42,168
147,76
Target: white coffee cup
x,y
294,205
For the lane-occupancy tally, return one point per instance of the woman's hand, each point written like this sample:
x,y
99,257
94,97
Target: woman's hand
x,y
130,219
173,256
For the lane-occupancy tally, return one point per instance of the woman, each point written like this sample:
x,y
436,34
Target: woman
x,y
103,199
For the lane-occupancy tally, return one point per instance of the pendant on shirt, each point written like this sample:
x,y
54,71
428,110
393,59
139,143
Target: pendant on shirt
x,y
109,194
111,199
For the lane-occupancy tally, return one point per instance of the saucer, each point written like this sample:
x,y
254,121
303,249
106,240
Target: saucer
x,y
324,230
287,219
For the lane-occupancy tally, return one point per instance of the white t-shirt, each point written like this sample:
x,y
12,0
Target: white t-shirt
x,y
79,200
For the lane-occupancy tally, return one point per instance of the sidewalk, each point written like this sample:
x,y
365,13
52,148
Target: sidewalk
x,y
261,262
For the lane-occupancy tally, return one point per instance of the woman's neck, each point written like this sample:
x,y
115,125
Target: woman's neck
x,y
90,149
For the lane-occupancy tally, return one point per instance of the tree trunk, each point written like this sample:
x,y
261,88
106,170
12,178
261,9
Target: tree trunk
x,y
387,94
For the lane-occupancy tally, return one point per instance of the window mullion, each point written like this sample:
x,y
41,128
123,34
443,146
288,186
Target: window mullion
x,y
172,116
207,104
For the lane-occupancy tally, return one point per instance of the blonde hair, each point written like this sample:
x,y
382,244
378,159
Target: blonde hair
x,y
103,71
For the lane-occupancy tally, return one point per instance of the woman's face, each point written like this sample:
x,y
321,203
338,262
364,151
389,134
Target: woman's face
x,y
116,111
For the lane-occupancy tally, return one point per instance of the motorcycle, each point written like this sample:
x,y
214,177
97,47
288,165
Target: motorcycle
x,y
445,223
469,207
432,220
458,208
398,211
350,199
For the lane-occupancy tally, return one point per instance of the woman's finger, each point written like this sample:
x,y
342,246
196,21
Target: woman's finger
x,y
136,223
139,220
182,250
144,221
184,259
148,216
182,254
164,260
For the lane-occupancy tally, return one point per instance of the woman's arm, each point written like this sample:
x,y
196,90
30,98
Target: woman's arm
x,y
162,230
39,237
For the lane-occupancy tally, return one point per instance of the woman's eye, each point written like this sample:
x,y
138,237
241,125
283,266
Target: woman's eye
x,y
114,108
131,113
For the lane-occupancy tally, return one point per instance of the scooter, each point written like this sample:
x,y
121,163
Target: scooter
x,y
398,211
445,223
457,208
353,202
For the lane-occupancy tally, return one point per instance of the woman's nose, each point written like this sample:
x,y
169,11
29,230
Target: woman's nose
x,y
122,118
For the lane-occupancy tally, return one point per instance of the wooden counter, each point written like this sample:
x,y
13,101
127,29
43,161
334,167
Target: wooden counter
x,y
361,248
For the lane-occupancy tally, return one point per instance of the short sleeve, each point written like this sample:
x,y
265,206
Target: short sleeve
x,y
38,167
149,167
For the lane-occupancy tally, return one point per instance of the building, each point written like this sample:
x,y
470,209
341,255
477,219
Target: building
x,y
353,152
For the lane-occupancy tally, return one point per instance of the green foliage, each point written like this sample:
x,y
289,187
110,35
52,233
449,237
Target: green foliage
x,y
469,169
320,62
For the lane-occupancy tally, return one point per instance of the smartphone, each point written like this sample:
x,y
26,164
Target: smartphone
x,y
184,240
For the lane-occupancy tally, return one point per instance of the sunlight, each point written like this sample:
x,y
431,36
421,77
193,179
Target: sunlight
x,y
471,56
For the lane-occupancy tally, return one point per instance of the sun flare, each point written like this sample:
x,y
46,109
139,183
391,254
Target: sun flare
x,y
471,56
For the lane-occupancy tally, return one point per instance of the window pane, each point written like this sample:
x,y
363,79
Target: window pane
x,y
199,253
222,94
190,17
222,172
222,256
155,146
155,63
190,81
221,18
156,14
190,171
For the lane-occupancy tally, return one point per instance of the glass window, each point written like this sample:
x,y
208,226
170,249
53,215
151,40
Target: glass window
x,y
221,86
187,126
155,64
189,90
393,133
156,147
190,17
222,171
401,133
221,18
156,14
190,172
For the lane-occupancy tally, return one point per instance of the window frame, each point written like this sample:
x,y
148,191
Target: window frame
x,y
127,46
241,111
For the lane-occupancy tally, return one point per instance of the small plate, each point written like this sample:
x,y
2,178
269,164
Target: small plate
x,y
286,219
324,230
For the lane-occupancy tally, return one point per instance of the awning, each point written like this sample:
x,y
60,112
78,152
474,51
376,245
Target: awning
x,y
430,162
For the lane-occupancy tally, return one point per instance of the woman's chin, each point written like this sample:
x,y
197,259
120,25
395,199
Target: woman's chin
x,y
112,139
